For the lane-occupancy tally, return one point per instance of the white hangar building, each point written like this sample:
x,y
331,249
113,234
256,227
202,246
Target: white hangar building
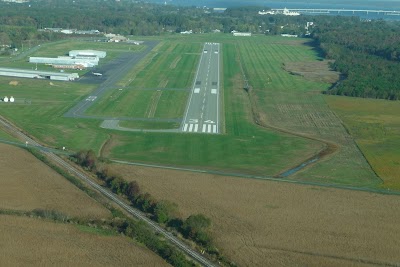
x,y
58,76
87,53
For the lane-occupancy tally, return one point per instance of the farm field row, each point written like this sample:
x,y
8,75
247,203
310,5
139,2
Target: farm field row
x,y
295,104
67,245
375,125
27,184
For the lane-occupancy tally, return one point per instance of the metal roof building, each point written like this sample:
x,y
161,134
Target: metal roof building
x,y
87,62
58,76
99,54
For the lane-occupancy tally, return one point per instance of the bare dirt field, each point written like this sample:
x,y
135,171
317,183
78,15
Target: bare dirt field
x,y
264,223
318,71
26,183
66,245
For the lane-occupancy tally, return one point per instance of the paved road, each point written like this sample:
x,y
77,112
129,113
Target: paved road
x,y
202,112
112,73
114,198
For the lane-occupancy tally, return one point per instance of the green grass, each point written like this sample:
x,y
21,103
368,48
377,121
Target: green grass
x,y
137,103
375,124
170,65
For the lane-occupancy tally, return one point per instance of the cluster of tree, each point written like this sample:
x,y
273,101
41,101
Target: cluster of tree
x,y
365,52
195,227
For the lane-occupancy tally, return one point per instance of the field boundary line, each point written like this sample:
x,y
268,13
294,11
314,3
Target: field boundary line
x,y
259,177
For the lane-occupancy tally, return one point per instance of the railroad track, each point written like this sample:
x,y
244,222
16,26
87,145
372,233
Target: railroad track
x,y
111,196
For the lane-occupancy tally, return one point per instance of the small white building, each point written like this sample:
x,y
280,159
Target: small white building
x,y
241,33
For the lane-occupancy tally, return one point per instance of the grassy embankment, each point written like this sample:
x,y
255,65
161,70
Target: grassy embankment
x,y
375,125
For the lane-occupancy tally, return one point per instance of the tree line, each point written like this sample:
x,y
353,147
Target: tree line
x,y
195,227
365,52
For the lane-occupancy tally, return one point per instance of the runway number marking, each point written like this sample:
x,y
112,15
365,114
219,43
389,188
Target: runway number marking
x,y
91,98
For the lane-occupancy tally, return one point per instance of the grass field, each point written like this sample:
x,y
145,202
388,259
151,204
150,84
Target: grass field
x,y
263,223
138,103
245,147
28,241
42,118
26,184
375,124
169,65
295,104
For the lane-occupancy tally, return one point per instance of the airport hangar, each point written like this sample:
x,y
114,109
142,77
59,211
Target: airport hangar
x,y
57,76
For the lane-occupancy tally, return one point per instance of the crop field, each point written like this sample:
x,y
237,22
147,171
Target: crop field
x,y
264,223
29,241
26,184
295,104
375,125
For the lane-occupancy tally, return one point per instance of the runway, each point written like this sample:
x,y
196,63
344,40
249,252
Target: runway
x,y
202,112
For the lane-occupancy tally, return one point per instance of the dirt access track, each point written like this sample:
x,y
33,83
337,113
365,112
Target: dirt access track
x,y
265,223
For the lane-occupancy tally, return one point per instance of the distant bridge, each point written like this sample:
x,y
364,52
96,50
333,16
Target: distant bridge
x,y
333,10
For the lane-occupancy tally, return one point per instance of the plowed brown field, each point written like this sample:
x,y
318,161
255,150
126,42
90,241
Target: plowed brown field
x,y
264,223
27,183
27,241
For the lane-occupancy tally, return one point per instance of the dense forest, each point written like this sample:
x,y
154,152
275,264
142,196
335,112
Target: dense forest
x,y
366,52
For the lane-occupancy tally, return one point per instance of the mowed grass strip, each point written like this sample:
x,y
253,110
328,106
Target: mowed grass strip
x,y
159,72
375,124
173,66
123,103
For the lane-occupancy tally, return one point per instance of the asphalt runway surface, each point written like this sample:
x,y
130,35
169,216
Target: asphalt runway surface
x,y
111,72
202,112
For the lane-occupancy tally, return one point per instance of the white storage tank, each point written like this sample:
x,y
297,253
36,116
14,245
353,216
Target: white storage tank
x,y
12,99
5,99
